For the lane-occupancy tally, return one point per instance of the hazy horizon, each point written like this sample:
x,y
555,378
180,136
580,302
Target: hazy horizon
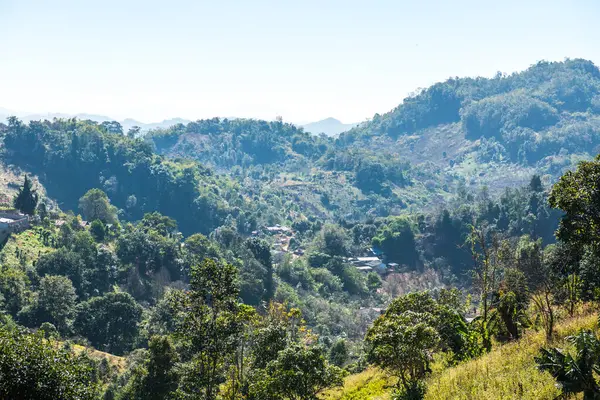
x,y
151,61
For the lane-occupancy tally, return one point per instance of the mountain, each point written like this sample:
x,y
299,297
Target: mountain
x,y
191,220
126,123
328,126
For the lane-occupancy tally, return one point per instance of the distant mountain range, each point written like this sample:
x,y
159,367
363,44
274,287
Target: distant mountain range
x,y
328,126
126,123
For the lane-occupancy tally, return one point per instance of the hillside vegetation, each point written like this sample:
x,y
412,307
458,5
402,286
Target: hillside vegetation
x,y
507,372
450,243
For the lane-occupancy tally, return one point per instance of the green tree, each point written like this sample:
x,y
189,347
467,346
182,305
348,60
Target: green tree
x,y
262,253
485,272
156,377
333,240
96,205
134,132
54,303
397,240
577,193
109,322
27,198
298,373
402,344
98,230
32,368
164,225
338,354
209,327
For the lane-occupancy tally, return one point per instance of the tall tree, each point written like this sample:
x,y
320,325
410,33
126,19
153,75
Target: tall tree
x,y
209,327
155,378
27,198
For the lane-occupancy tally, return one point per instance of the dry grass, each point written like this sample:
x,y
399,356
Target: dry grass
x,y
371,384
508,372
120,363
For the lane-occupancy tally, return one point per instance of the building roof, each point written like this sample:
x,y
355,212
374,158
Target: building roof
x,y
367,259
364,269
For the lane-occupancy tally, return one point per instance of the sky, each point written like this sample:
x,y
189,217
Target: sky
x,y
302,60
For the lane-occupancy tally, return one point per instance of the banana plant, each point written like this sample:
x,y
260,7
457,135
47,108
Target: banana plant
x,y
575,373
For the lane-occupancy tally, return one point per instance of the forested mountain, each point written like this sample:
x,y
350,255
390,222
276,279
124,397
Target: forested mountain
x,y
470,132
478,129
246,259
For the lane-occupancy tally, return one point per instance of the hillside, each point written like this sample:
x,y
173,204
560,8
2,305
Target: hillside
x,y
461,133
284,249
480,130
507,372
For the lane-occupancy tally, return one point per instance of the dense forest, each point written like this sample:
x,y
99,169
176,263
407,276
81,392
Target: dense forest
x,y
248,259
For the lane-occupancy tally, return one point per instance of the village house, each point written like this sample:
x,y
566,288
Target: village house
x,y
368,264
12,221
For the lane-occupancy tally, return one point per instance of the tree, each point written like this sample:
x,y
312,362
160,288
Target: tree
x,y
298,373
262,253
112,127
109,322
156,378
27,198
402,344
338,354
98,230
513,298
96,205
209,326
164,225
575,374
134,132
63,262
577,193
332,240
32,368
485,273
55,303
397,240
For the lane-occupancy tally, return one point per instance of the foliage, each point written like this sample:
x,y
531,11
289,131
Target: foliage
x,y
155,378
54,303
397,240
413,327
109,322
208,326
34,368
95,205
298,372
27,198
575,374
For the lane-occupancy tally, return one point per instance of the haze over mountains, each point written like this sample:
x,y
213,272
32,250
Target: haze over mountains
x,y
126,123
329,126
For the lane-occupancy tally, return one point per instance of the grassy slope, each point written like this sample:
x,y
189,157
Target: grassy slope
x,y
508,372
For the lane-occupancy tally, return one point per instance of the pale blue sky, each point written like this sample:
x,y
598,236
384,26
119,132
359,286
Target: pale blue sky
x,y
304,60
